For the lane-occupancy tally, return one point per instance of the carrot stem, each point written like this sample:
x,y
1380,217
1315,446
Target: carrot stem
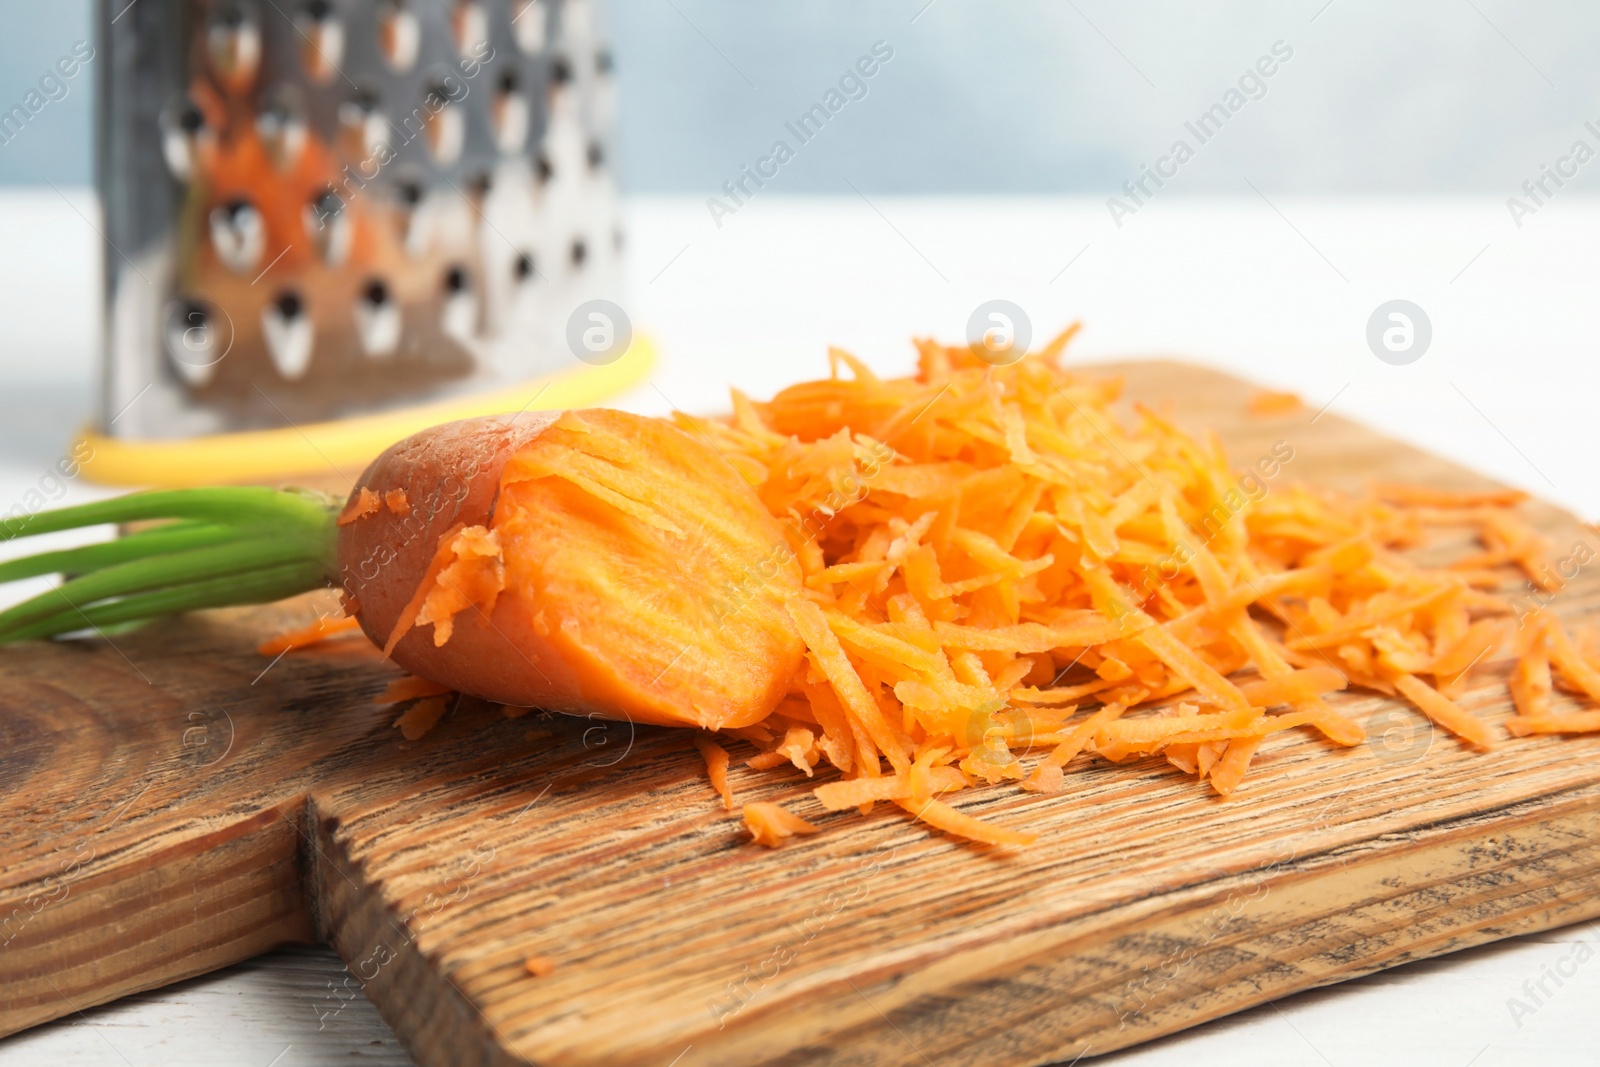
x,y
232,545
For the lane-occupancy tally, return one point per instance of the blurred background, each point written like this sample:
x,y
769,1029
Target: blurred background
x,y
990,157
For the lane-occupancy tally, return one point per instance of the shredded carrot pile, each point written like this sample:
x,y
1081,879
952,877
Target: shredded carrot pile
x,y
1003,574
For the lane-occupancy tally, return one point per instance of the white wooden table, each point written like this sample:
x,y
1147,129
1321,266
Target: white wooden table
x,y
1276,291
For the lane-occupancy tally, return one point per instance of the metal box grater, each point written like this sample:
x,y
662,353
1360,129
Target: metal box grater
x,y
319,209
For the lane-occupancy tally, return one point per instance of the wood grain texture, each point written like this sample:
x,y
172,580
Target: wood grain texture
x,y
167,811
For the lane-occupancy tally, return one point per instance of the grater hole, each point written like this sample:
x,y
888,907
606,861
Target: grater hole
x,y
321,39
183,126
399,34
471,27
193,340
596,155
282,128
238,234
603,63
327,223
287,330
544,169
443,124
522,269
233,41
378,325
528,19
459,315
363,124
578,253
560,71
509,112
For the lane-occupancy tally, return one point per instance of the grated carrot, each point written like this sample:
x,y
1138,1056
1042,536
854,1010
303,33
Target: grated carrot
x,y
771,825
539,966
421,717
988,550
1444,711
716,758
1577,722
1270,403
325,627
395,500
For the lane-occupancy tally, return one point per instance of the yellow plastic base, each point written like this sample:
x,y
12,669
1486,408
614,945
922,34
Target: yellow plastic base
x,y
344,446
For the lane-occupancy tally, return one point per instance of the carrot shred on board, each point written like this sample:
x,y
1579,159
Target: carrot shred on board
x,y
366,503
772,825
421,717
1444,711
325,627
938,814
539,966
1576,722
1428,496
716,758
1270,403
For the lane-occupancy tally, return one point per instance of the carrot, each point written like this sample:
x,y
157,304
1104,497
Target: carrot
x,y
1429,496
1269,403
325,627
1229,771
1574,723
716,758
771,825
1444,711
421,717
910,582
938,814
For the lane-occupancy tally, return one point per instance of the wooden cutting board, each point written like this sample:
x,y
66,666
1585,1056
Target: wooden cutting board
x,y
172,804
